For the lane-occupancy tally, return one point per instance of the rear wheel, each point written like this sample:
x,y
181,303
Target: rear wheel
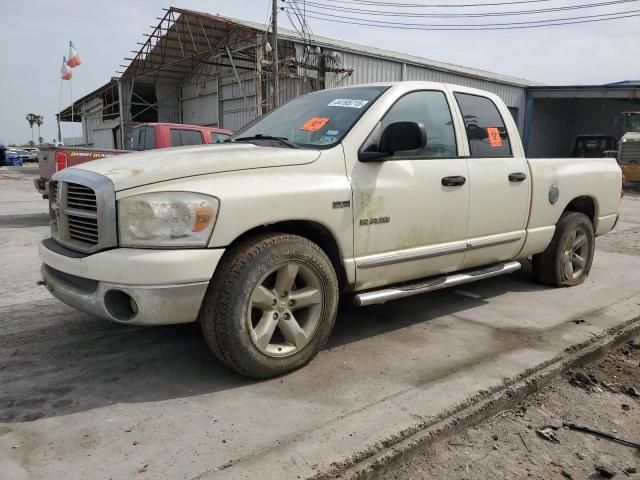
x,y
567,260
271,306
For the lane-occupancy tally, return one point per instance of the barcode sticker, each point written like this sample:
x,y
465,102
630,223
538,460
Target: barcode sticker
x,y
348,102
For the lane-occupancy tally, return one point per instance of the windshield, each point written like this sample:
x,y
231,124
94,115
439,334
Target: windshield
x,y
317,120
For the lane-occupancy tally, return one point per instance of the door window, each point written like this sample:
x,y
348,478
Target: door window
x,y
181,137
191,137
485,127
430,108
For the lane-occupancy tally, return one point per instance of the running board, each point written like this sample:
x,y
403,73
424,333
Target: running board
x,y
373,297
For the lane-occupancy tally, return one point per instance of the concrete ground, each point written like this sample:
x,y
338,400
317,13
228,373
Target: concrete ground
x,y
83,398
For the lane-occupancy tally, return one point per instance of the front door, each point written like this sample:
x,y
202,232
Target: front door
x,y
410,210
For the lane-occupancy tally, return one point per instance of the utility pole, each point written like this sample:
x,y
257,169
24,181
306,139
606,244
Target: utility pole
x,y
274,38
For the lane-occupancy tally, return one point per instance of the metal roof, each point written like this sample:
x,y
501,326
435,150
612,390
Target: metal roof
x,y
343,45
184,34
622,90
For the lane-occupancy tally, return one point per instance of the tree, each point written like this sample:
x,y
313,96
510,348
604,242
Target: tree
x,y
39,121
31,118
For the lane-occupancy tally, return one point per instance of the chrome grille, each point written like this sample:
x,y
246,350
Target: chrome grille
x,y
629,153
79,196
82,211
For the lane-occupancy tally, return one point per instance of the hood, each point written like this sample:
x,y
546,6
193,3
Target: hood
x,y
151,166
631,136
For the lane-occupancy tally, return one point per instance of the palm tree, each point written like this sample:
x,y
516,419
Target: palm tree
x,y
31,118
39,121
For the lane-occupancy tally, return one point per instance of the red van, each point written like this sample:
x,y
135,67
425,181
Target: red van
x,y
147,136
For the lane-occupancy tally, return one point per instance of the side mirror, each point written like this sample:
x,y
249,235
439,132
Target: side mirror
x,y
397,137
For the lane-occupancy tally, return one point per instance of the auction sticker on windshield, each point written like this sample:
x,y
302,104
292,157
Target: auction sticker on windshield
x,y
348,102
314,124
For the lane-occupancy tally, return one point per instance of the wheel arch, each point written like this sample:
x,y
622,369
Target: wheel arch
x,y
314,231
586,205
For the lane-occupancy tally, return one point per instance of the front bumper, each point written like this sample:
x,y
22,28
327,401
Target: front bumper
x,y
132,304
134,286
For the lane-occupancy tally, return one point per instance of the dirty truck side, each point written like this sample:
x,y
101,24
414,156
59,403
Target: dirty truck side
x,y
377,192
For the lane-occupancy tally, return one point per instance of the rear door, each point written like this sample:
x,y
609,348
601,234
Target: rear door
x,y
499,187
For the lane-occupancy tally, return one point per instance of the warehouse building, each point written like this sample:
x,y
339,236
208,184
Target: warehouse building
x,y
212,70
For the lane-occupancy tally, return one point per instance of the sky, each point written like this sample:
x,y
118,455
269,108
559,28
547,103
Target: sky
x,y
35,35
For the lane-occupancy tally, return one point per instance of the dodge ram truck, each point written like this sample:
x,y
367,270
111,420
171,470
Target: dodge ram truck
x,y
372,192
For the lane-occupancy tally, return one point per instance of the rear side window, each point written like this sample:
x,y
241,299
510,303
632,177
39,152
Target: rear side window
x,y
485,127
137,139
185,137
150,139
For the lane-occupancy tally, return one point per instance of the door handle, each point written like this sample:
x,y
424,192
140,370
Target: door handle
x,y
454,181
517,177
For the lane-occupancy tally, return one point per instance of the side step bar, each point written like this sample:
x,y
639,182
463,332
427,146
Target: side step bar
x,y
373,297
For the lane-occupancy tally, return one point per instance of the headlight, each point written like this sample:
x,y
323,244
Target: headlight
x,y
166,219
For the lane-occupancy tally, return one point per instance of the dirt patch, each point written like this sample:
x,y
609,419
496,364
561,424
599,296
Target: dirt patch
x,y
554,433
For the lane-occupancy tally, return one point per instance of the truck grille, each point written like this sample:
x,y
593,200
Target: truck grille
x,y
82,214
629,153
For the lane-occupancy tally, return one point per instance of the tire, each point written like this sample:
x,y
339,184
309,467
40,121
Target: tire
x,y
567,260
271,305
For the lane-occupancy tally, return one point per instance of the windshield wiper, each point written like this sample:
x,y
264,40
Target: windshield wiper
x,y
262,136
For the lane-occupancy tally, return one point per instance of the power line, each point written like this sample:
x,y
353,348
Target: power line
x,y
476,27
460,15
422,5
531,22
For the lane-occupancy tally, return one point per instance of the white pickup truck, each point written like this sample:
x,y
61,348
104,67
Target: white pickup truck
x,y
376,191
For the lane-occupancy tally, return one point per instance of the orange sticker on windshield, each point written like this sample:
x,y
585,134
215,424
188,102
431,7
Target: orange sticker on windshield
x,y
494,137
314,124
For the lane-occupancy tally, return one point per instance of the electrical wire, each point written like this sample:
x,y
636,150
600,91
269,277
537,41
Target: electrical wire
x,y
460,15
476,27
422,5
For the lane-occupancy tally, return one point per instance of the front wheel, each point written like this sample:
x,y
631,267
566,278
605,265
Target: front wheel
x,y
271,306
567,260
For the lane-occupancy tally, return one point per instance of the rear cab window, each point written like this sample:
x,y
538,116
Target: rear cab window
x,y
485,127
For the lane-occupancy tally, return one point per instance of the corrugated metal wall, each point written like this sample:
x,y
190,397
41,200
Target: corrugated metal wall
x,y
555,123
168,102
367,69
200,103
91,119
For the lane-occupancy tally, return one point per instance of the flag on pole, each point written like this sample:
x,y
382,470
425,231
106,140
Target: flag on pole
x,y
74,58
65,72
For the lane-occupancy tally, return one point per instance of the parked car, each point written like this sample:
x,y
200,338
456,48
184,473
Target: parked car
x,y
33,153
13,157
593,146
148,136
377,191
24,155
145,136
